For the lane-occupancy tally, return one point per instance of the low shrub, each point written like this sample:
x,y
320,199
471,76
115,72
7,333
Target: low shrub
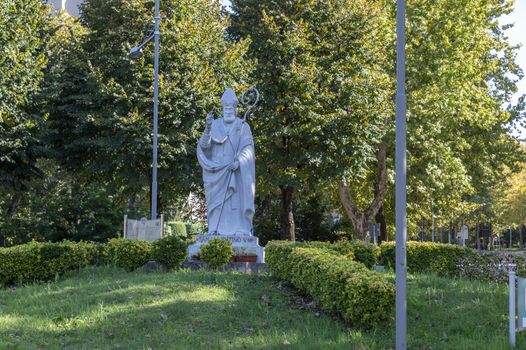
x,y
129,254
491,266
176,228
216,253
170,251
193,229
37,261
340,285
440,258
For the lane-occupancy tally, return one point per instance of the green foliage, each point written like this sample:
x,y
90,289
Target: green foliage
x,y
26,28
440,258
509,198
100,255
431,300
366,253
35,261
129,254
100,111
277,254
340,285
59,207
326,94
177,228
193,229
170,251
311,218
459,100
184,230
216,253
315,122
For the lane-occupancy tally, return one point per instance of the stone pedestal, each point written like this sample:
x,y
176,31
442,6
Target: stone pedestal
x,y
243,245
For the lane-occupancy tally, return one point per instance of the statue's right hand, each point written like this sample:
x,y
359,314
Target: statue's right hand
x,y
209,120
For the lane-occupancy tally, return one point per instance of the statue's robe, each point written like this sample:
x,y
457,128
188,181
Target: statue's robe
x,y
215,153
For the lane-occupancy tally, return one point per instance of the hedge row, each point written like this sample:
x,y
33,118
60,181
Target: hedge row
x,y
365,253
452,260
340,285
182,229
443,259
38,261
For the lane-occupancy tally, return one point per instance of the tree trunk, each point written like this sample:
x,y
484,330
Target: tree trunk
x,y
490,236
288,228
520,236
14,204
10,212
380,218
131,202
360,219
478,237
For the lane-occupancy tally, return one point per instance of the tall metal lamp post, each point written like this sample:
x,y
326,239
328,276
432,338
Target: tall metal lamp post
x,y
400,167
135,54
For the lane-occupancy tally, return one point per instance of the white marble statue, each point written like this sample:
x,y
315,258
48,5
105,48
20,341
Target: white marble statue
x,y
226,155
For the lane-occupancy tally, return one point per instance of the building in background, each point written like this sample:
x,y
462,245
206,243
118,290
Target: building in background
x,y
70,6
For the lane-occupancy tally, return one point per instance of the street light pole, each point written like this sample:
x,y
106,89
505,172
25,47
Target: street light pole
x,y
400,167
135,54
156,35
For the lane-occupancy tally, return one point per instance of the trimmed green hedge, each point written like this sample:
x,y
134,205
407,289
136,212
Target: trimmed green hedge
x,y
366,253
170,251
37,261
440,258
216,253
277,255
129,254
176,228
44,261
340,285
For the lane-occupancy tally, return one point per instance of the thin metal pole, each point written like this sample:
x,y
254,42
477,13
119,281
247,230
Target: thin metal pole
x,y
156,34
510,238
401,200
512,307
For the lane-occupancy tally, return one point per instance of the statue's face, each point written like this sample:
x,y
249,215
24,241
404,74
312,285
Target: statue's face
x,y
229,113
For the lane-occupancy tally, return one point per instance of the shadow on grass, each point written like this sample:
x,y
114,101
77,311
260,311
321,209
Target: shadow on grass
x,y
182,310
105,308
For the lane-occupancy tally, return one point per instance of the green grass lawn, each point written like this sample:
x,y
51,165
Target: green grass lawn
x,y
105,308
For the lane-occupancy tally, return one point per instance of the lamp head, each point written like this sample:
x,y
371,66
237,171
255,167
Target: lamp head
x,y
135,53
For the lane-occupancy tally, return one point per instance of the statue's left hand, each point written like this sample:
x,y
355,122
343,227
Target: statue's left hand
x,y
234,165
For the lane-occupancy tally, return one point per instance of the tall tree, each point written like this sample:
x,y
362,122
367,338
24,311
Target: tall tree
x,y
325,94
509,197
461,73
102,113
25,27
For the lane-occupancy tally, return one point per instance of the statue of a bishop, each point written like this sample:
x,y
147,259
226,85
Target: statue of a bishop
x,y
226,155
